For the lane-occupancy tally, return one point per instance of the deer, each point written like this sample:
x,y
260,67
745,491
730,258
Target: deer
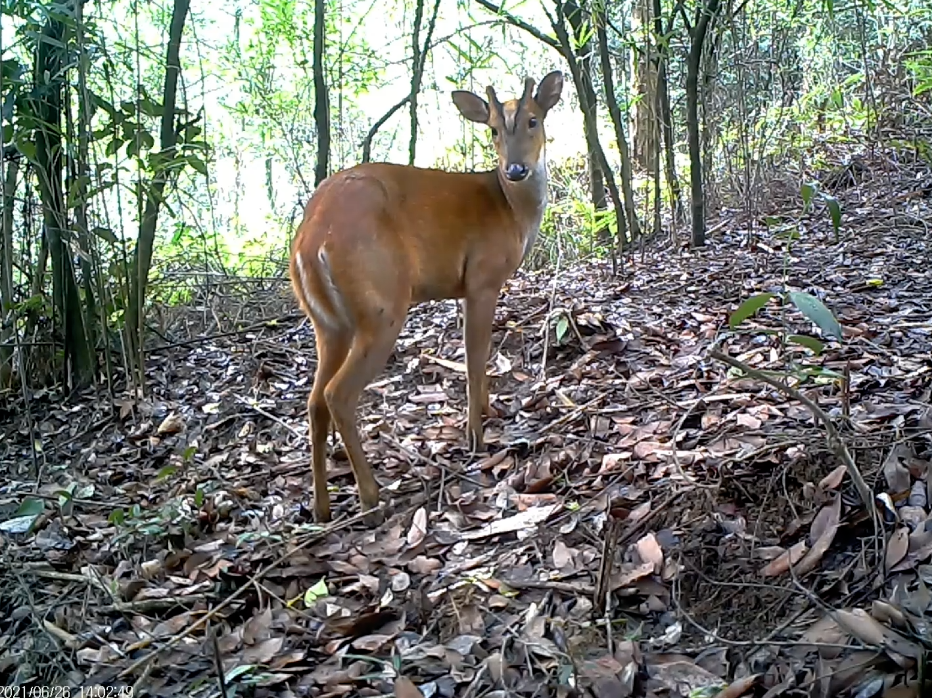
x,y
378,238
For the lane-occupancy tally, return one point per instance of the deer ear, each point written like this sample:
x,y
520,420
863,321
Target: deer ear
x,y
548,93
472,106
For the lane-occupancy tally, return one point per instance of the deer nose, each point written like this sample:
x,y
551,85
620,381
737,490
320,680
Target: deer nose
x,y
516,171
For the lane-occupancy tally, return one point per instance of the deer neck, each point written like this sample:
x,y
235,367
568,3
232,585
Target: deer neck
x,y
528,201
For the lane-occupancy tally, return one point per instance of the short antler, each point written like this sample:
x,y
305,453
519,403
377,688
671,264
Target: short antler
x,y
528,89
493,99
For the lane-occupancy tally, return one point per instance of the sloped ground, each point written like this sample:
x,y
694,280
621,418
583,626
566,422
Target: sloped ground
x,y
648,521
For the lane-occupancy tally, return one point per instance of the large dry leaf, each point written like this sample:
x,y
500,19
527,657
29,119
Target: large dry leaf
x,y
263,652
895,470
897,547
833,479
829,525
650,551
523,521
418,529
781,564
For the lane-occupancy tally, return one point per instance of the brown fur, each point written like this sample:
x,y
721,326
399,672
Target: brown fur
x,y
378,238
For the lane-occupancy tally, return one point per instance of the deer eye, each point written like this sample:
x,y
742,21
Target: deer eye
x,y
532,123
494,133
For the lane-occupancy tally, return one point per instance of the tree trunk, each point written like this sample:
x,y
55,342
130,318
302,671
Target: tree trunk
x,y
7,327
155,194
321,104
47,103
589,118
618,123
587,97
415,77
645,78
418,62
692,122
666,116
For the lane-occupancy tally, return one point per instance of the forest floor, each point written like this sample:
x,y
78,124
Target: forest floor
x,y
648,520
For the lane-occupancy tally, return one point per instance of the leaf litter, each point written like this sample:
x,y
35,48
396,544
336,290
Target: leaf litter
x,y
648,521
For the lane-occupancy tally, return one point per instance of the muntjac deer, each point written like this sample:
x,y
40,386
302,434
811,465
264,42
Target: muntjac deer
x,y
378,238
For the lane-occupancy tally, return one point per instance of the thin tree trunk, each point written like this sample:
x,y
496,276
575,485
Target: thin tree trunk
x,y
321,103
415,77
589,119
666,116
586,92
6,275
618,123
155,194
693,64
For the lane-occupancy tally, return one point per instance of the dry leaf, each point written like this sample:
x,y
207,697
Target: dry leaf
x,y
650,551
833,479
781,564
562,558
405,688
894,469
172,424
897,547
264,652
418,529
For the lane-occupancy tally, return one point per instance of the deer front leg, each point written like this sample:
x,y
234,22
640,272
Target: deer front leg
x,y
479,314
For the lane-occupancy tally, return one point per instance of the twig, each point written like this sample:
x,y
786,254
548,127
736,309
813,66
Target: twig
x,y
521,24
581,409
427,461
269,415
603,581
576,589
147,605
833,438
546,328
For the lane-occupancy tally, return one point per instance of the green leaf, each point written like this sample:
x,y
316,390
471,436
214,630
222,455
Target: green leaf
x,y
117,516
749,308
815,311
106,234
806,341
562,326
834,209
166,472
317,591
238,671
199,497
197,164
27,149
807,191
30,507
11,70
150,108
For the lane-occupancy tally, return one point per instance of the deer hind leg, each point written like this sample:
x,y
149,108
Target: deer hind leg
x,y
332,349
372,344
